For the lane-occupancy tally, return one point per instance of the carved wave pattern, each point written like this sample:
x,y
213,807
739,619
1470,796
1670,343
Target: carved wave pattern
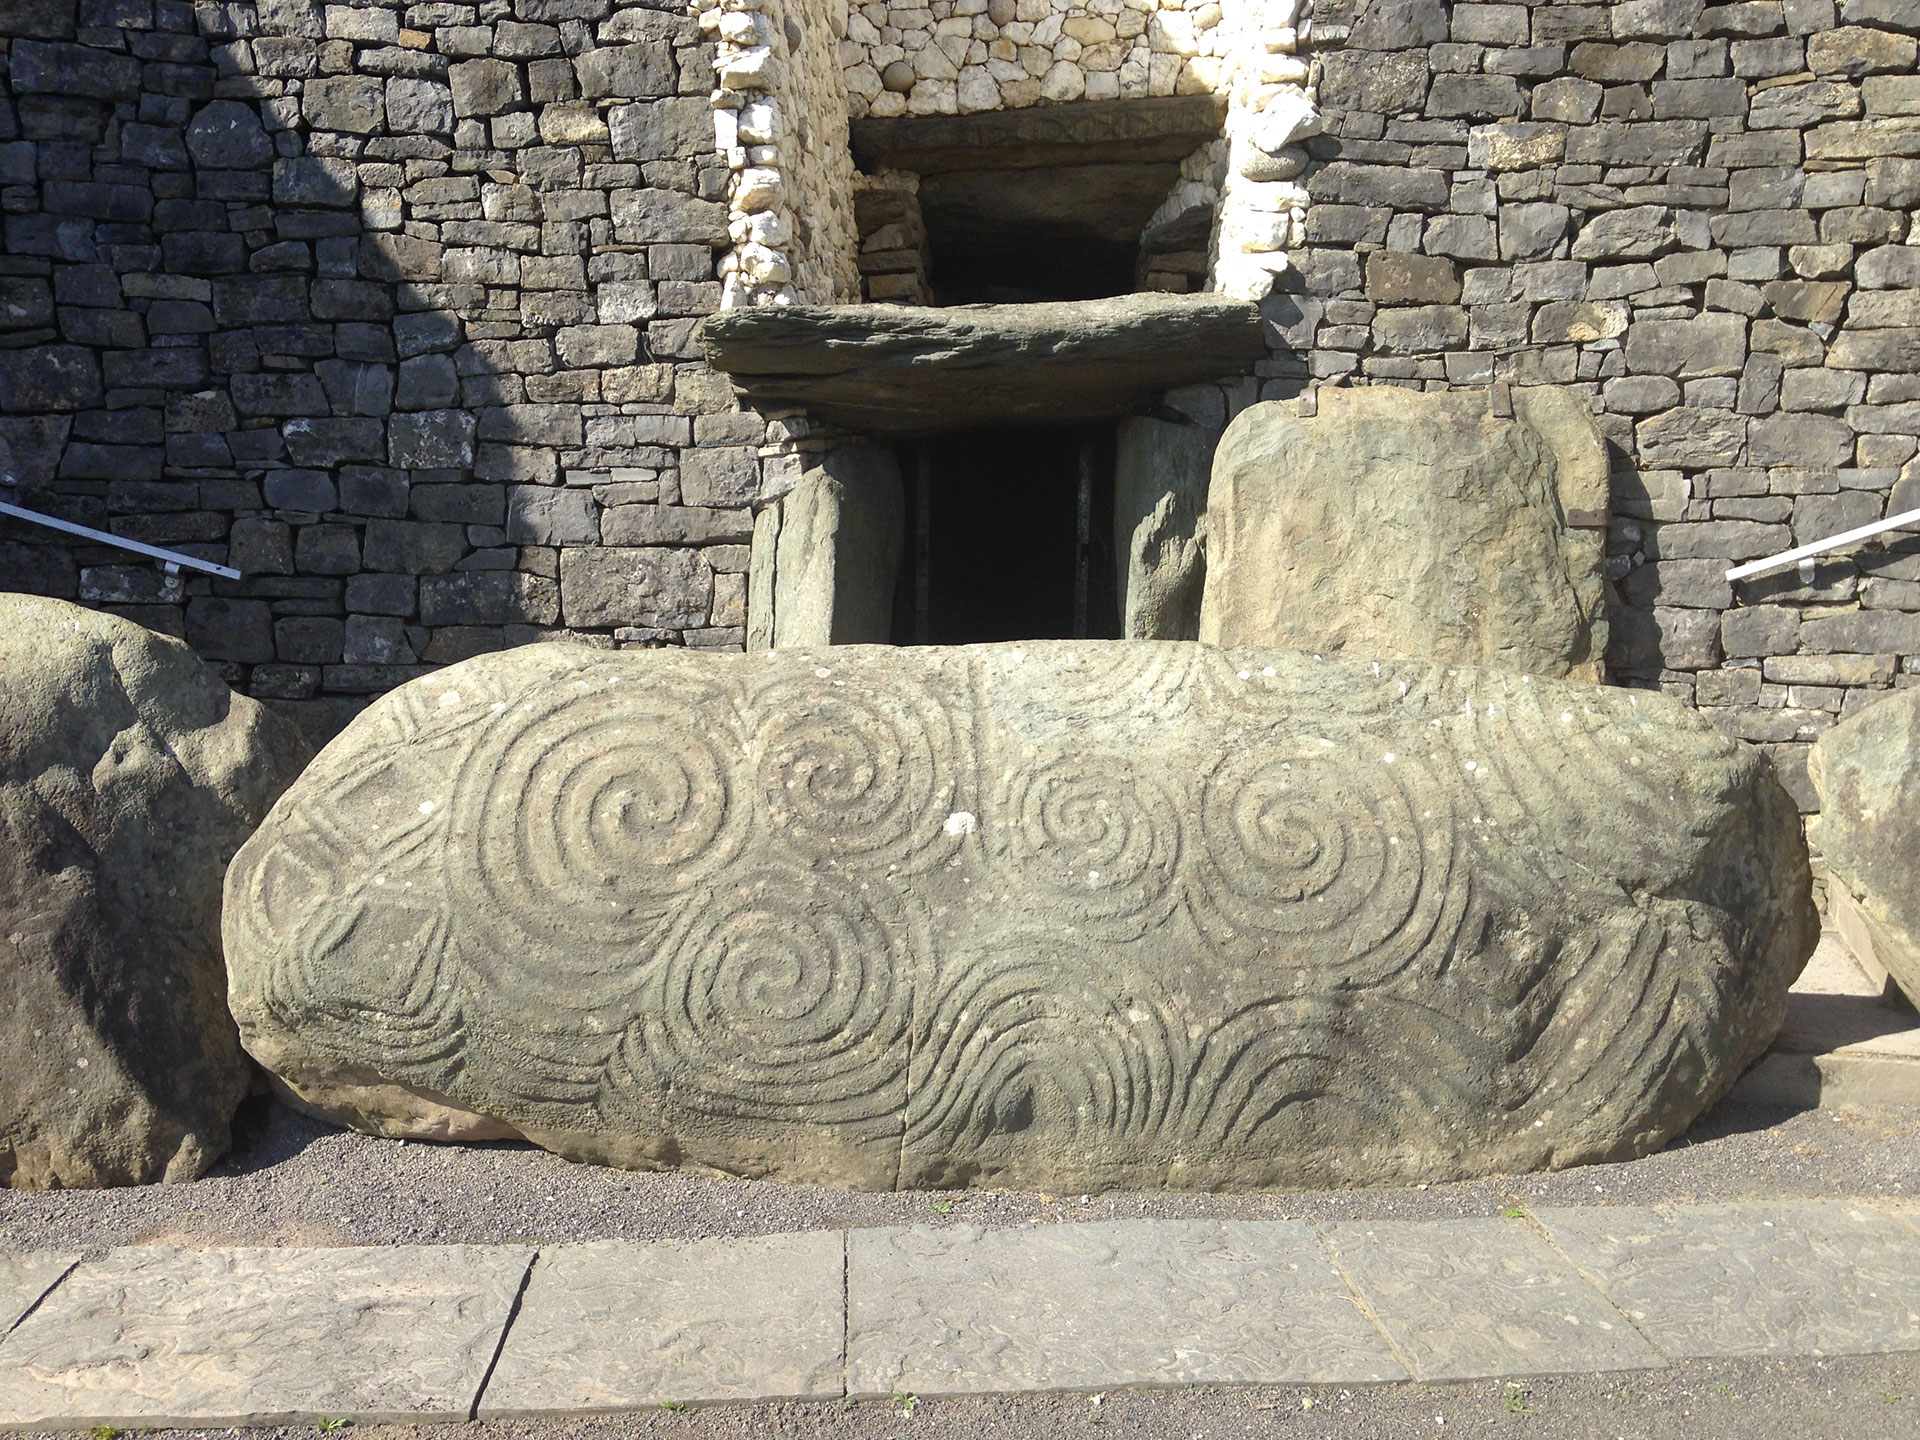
x,y
918,907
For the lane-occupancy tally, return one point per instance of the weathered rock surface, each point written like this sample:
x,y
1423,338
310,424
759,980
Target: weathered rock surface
x,y
1413,525
1866,771
1060,915
164,1336
1159,496
904,369
826,554
129,775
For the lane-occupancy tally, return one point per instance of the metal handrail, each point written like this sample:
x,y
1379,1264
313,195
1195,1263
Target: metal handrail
x,y
171,559
1820,547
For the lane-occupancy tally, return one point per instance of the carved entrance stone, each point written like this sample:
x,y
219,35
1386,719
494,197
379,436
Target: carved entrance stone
x,y
1053,915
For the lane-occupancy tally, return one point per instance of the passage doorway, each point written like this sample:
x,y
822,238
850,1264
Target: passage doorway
x,y
1009,536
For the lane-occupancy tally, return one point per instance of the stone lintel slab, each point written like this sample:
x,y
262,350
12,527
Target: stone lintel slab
x,y
24,1279
1817,1277
616,1325
1467,1299
909,369
1166,127
159,1336
957,1309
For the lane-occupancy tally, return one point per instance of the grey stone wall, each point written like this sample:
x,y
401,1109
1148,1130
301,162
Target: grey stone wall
x,y
389,307
1698,215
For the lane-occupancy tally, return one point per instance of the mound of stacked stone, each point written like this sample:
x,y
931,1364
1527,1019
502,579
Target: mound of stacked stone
x,y
1086,915
129,775
1867,773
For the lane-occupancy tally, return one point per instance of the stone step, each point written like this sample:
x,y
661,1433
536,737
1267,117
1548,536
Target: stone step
x,y
1851,1038
163,1336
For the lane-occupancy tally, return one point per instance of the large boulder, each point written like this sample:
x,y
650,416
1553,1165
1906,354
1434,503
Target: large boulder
x,y
1402,524
1059,915
1866,771
129,775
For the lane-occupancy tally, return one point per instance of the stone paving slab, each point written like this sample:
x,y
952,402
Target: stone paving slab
x,y
957,1310
1467,1299
617,1325
155,1337
25,1278
1819,1277
158,1336
1849,1038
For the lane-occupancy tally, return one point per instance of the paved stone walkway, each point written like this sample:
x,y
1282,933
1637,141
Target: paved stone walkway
x,y
152,1336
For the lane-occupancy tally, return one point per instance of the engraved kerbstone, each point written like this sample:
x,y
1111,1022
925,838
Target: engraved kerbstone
x,y
1088,915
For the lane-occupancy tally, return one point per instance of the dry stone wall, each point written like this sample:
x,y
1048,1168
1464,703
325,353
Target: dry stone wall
x,y
390,307
1700,216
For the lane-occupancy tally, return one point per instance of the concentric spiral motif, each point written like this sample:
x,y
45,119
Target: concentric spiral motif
x,y
786,998
918,917
1094,828
861,772
581,813
1299,848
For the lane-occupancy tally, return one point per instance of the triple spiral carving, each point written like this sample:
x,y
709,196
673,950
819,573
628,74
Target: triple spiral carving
x,y
941,912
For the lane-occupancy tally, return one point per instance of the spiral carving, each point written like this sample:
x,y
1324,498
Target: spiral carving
x,y
893,917
1037,1033
1293,849
790,997
859,773
1093,828
582,814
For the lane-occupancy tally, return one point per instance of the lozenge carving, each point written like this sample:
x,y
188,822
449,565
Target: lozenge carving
x,y
1069,916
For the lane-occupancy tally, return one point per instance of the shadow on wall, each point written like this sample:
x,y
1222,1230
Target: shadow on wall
x,y
390,309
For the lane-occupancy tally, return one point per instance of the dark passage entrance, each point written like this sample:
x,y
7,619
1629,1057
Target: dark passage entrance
x,y
1009,536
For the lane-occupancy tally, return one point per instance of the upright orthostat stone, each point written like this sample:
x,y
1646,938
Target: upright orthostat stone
x,y
1866,771
1407,524
1105,914
128,777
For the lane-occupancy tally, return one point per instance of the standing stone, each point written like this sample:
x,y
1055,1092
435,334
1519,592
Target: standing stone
x,y
835,541
1408,525
128,777
1866,771
1159,499
1054,914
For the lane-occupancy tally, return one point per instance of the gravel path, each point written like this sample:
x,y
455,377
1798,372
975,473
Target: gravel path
x,y
292,1180
1872,1397
296,1181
